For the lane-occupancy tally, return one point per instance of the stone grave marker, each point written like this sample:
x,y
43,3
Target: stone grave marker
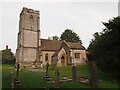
x,y
16,81
46,77
74,73
47,66
57,82
93,80
41,65
18,67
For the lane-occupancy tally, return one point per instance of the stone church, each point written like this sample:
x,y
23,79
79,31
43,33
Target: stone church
x,y
30,48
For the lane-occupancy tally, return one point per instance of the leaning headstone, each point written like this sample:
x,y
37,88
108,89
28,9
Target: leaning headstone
x,y
93,80
74,73
57,82
46,77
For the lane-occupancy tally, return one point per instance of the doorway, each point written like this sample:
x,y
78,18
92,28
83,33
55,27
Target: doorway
x,y
63,60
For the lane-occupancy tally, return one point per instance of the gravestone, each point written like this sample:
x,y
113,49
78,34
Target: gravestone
x,y
18,67
16,81
34,64
46,77
47,66
41,65
93,80
74,73
57,82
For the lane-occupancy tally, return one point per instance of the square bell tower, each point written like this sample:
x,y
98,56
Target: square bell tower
x,y
28,37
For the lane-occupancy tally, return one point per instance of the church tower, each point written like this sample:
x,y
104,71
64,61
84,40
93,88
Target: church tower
x,y
28,37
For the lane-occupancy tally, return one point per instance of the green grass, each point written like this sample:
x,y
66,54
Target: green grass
x,y
34,79
27,79
74,85
82,70
6,77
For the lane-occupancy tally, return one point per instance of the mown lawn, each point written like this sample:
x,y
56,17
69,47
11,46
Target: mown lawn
x,y
34,79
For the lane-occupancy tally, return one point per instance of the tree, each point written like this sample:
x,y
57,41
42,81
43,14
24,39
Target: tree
x,y
105,47
7,56
54,38
70,36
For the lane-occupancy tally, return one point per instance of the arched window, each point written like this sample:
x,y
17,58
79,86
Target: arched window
x,y
46,57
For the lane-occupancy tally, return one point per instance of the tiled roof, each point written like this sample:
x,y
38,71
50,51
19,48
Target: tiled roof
x,y
75,45
54,45
50,44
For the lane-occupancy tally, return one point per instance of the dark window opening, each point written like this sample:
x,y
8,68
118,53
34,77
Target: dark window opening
x,y
62,59
46,57
77,55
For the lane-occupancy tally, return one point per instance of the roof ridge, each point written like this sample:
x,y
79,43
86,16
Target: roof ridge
x,y
74,42
50,40
66,43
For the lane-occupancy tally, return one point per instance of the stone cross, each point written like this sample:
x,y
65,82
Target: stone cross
x,y
57,83
47,66
16,81
74,73
46,77
18,67
93,80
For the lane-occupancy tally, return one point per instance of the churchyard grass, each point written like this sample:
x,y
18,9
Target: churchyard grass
x,y
6,76
34,79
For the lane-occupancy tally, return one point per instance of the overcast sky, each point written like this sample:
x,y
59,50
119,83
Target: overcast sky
x,y
82,17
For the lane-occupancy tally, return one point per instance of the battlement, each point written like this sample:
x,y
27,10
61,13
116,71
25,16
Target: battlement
x,y
29,10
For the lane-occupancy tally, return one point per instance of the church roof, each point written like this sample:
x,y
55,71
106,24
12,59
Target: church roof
x,y
50,45
54,45
75,45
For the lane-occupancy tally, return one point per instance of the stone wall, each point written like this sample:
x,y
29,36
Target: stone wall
x,y
19,55
30,38
29,55
50,54
82,56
